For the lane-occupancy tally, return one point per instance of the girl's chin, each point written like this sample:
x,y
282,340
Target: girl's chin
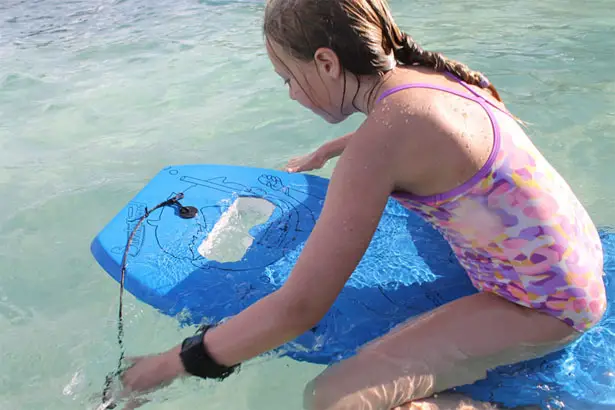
x,y
328,117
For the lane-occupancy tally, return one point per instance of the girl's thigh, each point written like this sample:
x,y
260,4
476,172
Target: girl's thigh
x,y
453,345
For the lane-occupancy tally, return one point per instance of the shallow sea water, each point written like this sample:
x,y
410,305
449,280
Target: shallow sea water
x,y
96,97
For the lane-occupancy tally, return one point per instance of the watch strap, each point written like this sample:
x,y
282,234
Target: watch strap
x,y
198,362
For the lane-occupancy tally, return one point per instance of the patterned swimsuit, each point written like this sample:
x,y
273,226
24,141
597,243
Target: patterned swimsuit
x,y
517,228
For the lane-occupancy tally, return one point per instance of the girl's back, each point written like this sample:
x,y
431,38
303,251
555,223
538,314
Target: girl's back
x,y
512,220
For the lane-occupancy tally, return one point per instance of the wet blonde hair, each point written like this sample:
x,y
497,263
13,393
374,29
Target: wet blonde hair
x,y
362,33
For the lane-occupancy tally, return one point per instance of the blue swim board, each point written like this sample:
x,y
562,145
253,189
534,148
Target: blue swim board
x,y
408,269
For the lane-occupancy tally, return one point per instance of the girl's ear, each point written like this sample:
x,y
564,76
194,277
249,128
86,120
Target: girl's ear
x,y
327,63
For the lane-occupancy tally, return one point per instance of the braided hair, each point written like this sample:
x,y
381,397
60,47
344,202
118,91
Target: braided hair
x,y
362,33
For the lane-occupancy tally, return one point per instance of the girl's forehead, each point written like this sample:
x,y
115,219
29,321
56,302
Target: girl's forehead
x,y
280,59
275,52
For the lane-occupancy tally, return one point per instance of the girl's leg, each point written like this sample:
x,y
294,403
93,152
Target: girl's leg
x,y
451,346
448,401
454,401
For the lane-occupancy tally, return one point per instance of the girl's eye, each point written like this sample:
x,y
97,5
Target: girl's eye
x,y
287,81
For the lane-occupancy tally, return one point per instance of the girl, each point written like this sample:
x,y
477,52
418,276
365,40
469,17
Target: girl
x,y
438,138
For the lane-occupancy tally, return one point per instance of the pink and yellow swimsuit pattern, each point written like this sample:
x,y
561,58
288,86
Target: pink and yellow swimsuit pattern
x,y
518,229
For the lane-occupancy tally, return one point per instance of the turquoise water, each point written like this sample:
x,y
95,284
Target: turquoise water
x,y
96,97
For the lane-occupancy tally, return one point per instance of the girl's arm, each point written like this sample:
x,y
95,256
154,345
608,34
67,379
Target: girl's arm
x,y
357,194
332,252
335,147
318,158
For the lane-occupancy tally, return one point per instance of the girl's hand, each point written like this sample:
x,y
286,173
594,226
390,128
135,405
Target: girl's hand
x,y
149,373
308,162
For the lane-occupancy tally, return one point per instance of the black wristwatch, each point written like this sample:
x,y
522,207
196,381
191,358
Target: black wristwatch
x,y
198,362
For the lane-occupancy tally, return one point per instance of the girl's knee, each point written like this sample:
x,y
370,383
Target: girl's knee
x,y
317,398
326,393
341,390
447,401
321,394
308,394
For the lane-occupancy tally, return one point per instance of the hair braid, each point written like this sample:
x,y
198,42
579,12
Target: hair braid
x,y
362,33
409,52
